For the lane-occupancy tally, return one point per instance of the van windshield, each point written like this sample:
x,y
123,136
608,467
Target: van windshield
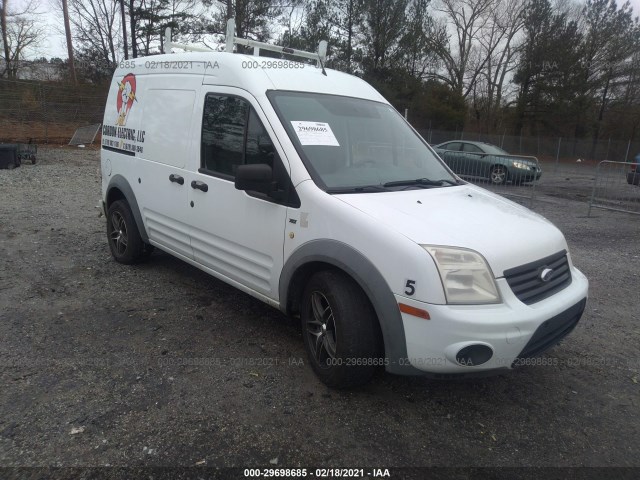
x,y
352,145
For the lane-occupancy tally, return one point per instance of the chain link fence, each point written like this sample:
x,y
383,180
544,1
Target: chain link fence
x,y
509,175
47,112
555,149
616,187
50,112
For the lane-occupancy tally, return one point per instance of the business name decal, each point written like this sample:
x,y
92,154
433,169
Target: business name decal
x,y
118,136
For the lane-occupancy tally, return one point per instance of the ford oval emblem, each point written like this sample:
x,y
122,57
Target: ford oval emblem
x,y
546,274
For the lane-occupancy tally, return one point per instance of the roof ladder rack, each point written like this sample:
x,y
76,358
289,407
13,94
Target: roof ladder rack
x,y
320,56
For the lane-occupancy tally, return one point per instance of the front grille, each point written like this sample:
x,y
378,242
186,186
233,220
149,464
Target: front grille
x,y
526,282
552,331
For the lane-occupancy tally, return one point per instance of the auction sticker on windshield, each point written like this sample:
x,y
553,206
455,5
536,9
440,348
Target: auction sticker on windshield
x,y
315,133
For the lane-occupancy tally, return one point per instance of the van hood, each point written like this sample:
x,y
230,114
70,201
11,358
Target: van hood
x,y
505,233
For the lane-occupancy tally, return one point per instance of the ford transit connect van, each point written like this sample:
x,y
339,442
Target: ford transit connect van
x,y
304,188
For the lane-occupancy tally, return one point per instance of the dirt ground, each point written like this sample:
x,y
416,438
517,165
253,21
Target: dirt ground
x,y
161,365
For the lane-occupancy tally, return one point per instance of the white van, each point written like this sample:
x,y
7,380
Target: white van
x,y
304,188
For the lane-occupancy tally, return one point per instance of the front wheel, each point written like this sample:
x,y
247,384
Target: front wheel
x,y
499,174
125,242
340,330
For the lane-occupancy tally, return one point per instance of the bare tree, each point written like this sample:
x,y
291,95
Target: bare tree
x,y
96,25
467,19
498,52
21,31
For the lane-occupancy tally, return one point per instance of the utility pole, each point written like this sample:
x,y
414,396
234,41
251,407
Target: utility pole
x,y
229,9
67,31
124,30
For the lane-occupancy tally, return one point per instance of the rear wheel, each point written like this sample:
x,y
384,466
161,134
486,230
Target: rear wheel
x,y
340,330
122,233
499,174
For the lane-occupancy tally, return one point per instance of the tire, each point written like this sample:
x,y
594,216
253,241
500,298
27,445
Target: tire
x,y
340,330
123,236
498,175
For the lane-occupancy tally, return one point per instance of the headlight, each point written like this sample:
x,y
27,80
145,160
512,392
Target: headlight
x,y
524,166
465,275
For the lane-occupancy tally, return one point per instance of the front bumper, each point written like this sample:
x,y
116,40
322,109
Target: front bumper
x,y
511,329
521,175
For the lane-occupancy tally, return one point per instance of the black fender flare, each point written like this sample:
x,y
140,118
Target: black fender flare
x,y
121,183
367,276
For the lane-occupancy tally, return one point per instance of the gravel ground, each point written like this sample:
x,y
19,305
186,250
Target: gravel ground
x,y
161,365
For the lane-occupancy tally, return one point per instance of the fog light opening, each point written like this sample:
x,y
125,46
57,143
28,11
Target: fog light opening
x,y
474,355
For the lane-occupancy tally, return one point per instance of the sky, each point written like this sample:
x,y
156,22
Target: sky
x,y
54,45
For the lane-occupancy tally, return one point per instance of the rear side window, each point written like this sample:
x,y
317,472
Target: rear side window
x,y
455,146
232,135
471,148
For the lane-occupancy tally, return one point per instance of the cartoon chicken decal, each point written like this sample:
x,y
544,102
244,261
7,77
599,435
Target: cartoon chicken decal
x,y
126,97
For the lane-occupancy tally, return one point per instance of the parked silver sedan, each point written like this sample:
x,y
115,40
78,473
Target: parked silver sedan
x,y
479,159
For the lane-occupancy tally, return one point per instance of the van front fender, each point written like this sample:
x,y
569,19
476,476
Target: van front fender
x,y
366,275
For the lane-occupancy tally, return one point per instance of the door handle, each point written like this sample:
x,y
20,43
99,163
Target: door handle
x,y
176,179
199,185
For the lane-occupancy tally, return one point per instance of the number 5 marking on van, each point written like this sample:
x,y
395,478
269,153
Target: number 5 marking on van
x,y
410,287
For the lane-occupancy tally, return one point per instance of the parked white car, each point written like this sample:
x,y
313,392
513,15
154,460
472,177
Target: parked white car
x,y
305,189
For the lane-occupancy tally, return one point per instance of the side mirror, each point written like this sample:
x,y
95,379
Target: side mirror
x,y
256,177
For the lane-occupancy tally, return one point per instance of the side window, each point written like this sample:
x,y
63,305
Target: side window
x,y
469,147
232,135
455,146
223,129
259,148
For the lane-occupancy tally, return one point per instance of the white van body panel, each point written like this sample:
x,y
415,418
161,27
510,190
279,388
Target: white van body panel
x,y
502,230
151,139
330,217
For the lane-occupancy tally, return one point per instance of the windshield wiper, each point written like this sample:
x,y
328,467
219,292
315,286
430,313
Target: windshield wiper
x,y
359,189
420,182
